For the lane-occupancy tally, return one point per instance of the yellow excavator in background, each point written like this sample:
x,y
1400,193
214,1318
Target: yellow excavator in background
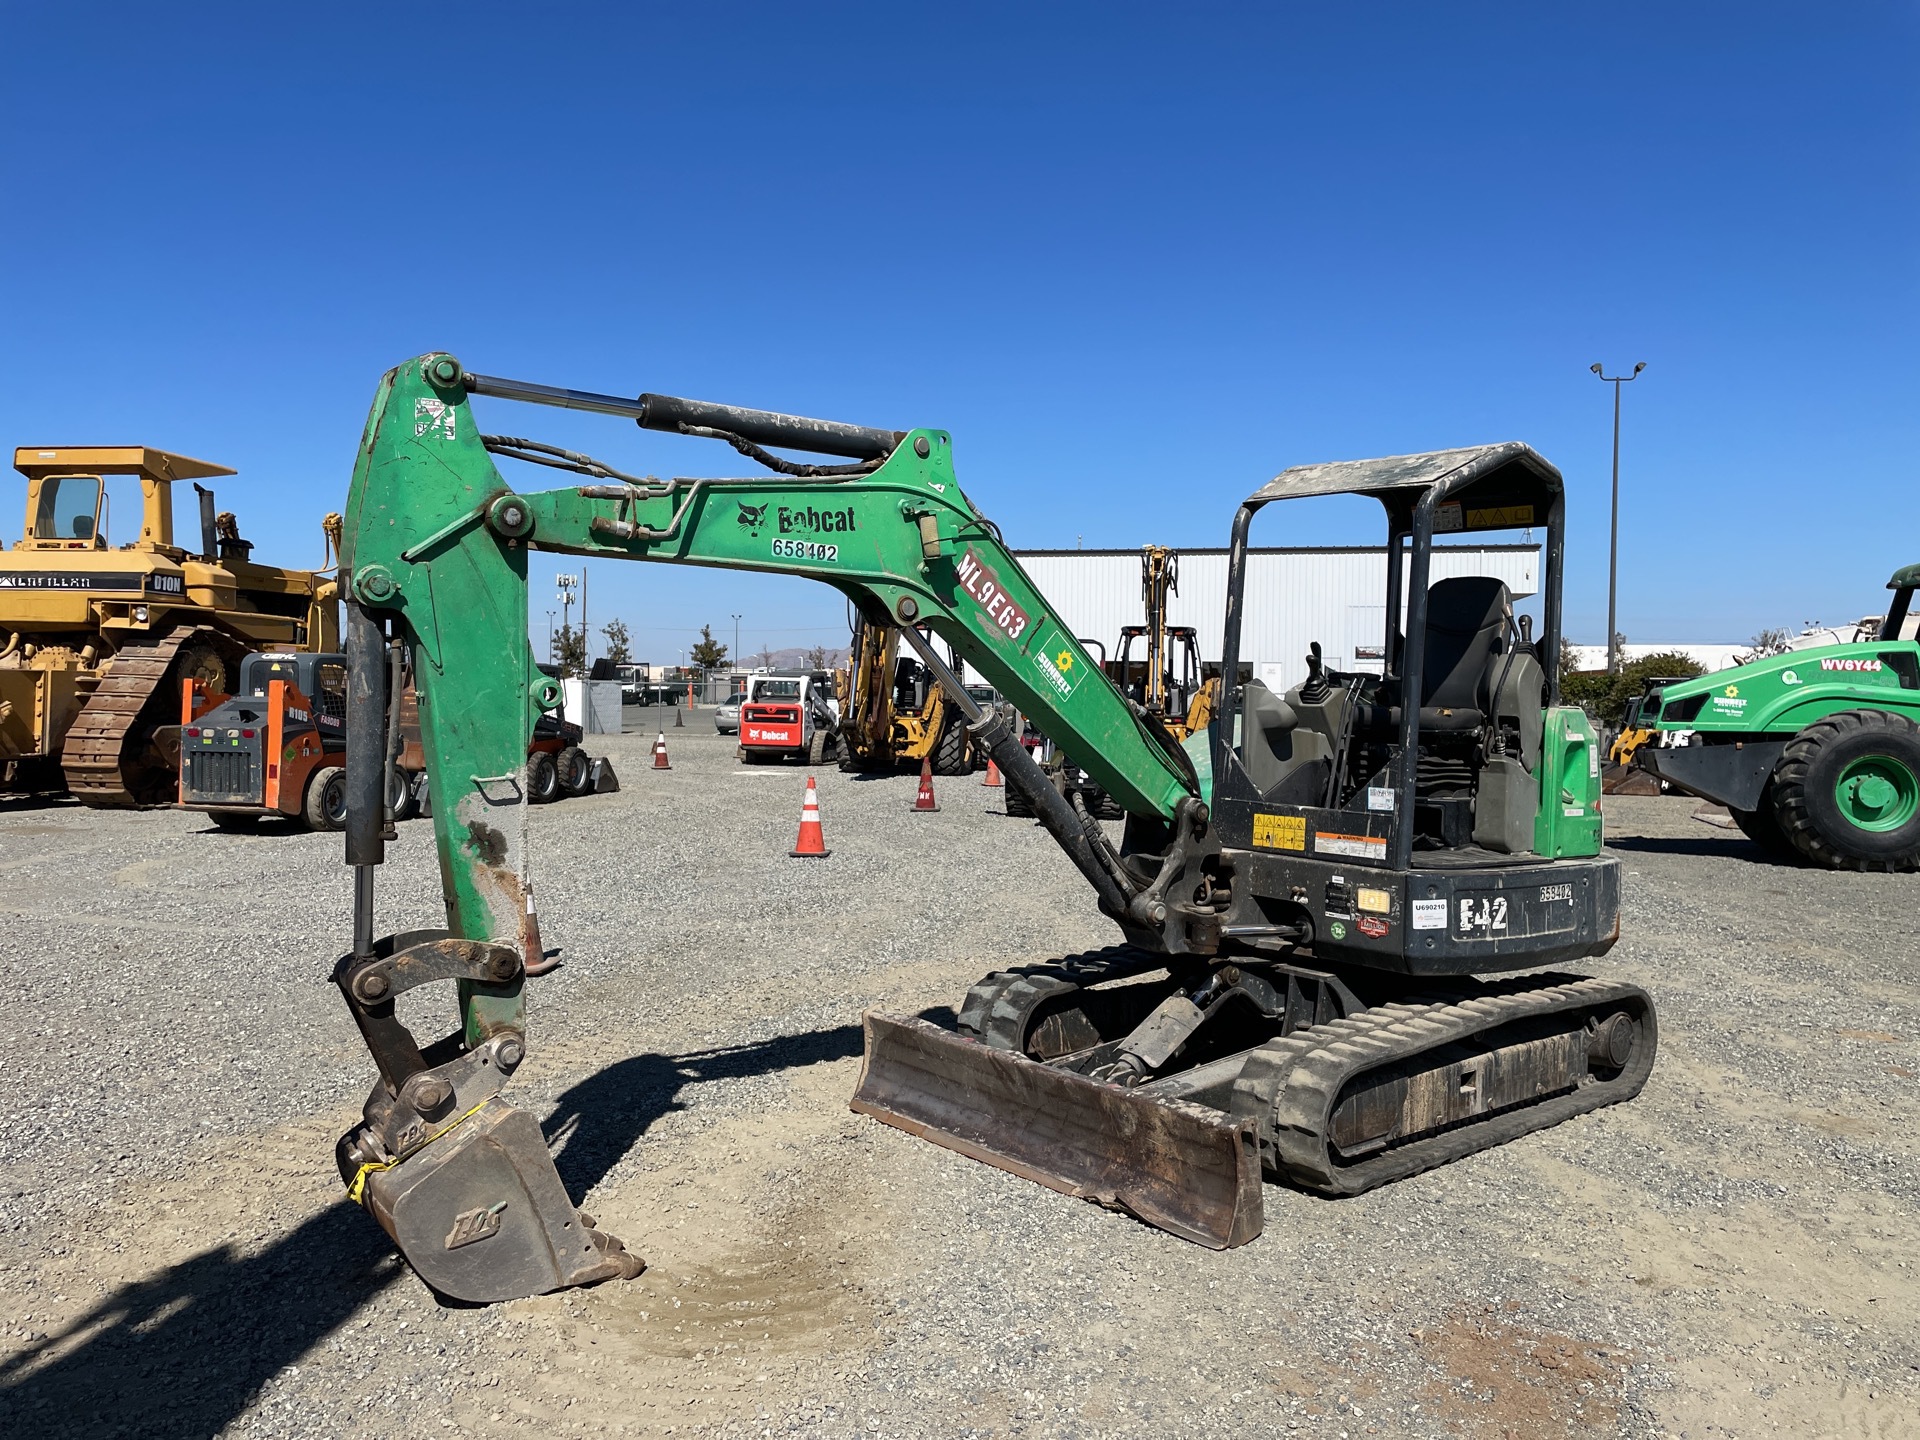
x,y
892,711
95,639
1168,680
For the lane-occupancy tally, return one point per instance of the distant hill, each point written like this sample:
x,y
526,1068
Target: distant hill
x,y
795,657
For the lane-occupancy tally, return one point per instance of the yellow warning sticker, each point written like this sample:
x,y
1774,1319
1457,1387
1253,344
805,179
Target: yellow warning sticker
x,y
1498,517
1279,832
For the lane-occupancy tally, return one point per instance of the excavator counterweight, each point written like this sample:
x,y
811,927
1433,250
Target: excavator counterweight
x,y
1307,892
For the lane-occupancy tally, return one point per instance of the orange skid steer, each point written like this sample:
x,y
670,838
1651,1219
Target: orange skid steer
x,y
279,748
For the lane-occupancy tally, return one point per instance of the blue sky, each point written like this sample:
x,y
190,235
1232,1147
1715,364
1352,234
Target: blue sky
x,y
1136,259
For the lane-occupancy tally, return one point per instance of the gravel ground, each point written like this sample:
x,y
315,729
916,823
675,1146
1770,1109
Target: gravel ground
x,y
1730,1255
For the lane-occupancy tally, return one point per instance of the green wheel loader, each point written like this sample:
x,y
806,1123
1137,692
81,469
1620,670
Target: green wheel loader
x,y
1815,752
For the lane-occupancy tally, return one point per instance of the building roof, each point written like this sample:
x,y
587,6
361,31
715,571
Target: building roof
x,y
1185,550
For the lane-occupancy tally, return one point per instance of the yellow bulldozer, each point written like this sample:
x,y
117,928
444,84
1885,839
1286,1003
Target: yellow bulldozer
x,y
96,638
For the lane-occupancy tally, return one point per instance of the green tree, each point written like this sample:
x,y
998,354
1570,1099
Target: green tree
x,y
619,646
570,651
708,653
1605,696
1569,657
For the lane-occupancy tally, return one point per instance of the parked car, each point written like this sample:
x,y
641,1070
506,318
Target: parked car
x,y
726,719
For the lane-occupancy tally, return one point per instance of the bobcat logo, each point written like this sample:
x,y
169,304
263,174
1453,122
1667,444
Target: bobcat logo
x,y
751,516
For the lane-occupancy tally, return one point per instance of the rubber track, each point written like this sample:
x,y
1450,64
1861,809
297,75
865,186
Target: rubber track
x,y
93,754
1289,1087
999,1008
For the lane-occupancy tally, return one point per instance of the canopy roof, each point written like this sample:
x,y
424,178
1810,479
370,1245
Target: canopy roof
x,y
1488,487
142,460
1512,463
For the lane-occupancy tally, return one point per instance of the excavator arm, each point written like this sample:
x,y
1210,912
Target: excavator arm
x,y
435,549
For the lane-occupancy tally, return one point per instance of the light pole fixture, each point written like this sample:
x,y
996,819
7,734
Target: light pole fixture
x,y
735,652
568,585
1613,544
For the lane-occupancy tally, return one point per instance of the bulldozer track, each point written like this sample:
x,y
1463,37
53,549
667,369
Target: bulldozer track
x,y
1290,1087
94,756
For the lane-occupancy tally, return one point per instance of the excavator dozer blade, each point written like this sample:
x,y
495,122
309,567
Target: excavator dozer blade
x,y
481,1215
1181,1167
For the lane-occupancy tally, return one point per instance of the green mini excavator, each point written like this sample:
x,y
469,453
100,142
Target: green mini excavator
x,y
1325,901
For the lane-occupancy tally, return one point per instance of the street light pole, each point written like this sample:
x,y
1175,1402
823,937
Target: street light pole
x,y
568,585
1613,543
736,640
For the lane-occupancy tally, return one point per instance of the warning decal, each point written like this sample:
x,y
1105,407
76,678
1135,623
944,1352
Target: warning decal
x,y
1279,832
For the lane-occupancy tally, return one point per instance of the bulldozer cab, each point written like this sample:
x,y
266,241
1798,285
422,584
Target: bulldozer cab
x,y
67,501
1443,751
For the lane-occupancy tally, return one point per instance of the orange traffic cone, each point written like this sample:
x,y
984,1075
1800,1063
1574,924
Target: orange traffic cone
x,y
993,780
923,802
812,844
660,753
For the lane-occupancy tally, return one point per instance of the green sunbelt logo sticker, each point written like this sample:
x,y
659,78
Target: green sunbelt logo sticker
x,y
1059,662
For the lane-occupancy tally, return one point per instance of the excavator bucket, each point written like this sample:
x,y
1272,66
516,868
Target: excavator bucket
x,y
1184,1168
481,1215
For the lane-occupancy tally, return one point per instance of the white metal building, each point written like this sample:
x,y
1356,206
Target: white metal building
x,y
1334,594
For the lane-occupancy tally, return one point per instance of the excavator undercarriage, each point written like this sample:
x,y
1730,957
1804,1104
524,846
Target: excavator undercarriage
x,y
1169,1095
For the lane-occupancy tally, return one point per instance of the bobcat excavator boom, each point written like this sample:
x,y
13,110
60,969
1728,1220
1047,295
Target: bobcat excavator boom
x,y
1159,1076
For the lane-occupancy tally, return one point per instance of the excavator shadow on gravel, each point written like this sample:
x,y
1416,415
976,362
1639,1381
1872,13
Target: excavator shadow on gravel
x,y
1334,904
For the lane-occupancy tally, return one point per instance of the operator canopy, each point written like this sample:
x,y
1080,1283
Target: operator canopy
x,y
1486,487
142,460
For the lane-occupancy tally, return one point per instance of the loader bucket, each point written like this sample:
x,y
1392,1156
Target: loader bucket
x,y
481,1215
1186,1169
1628,780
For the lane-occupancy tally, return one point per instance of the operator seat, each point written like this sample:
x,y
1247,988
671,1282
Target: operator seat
x,y
1467,617
1472,651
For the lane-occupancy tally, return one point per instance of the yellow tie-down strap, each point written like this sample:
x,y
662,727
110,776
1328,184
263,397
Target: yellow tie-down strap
x,y
357,1186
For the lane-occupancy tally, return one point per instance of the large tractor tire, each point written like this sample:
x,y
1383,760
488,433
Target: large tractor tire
x,y
950,750
1762,827
1847,792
